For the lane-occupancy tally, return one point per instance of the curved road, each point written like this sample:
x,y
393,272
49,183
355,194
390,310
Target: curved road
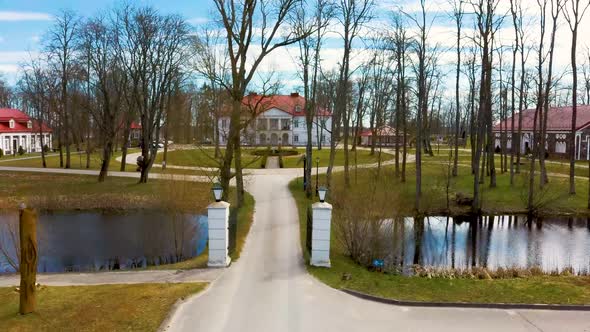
x,y
268,289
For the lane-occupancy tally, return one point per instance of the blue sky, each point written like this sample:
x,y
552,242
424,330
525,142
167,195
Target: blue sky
x,y
23,23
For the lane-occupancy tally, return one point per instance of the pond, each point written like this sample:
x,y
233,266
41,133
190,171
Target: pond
x,y
492,242
103,241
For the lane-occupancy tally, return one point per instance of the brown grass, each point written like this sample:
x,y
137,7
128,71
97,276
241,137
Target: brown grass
x,y
140,307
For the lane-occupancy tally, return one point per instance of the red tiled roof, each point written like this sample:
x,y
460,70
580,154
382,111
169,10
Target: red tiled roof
x,y
285,103
20,122
558,119
10,113
135,125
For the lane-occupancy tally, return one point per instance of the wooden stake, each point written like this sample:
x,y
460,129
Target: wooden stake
x,y
28,260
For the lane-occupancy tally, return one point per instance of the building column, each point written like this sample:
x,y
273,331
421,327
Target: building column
x,y
320,234
579,145
218,222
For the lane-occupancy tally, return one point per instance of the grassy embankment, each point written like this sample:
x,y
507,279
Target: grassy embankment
x,y
204,158
140,307
541,289
71,192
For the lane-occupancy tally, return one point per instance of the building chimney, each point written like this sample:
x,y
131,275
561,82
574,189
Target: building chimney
x,y
252,94
295,94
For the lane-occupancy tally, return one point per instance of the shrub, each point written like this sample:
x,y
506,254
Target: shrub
x,y
21,151
1,153
45,148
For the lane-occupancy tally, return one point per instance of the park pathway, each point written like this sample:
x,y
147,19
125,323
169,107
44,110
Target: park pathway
x,y
269,289
272,163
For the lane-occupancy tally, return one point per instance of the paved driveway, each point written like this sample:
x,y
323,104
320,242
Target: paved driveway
x,y
268,289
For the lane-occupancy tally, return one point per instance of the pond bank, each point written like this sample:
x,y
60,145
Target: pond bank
x,y
346,274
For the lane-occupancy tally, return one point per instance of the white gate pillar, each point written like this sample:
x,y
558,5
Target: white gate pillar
x,y
320,234
217,219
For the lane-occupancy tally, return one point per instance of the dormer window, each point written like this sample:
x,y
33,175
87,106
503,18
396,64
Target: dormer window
x,y
29,124
11,124
297,109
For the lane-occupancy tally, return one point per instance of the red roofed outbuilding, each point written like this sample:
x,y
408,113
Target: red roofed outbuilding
x,y
559,127
17,130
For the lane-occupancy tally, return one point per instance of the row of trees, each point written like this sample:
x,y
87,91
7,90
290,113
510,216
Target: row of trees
x,y
99,74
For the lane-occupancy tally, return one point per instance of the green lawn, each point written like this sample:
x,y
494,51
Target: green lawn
x,y
78,161
205,158
545,289
393,197
140,307
362,157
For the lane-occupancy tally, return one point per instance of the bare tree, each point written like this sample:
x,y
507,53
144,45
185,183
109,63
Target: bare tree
x,y
310,58
36,84
239,21
352,15
400,44
6,94
458,13
574,17
61,49
107,80
556,9
487,23
151,49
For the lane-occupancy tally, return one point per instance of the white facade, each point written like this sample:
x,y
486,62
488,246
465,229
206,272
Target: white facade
x,y
30,142
275,127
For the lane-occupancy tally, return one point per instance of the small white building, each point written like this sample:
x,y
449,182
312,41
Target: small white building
x,y
278,120
19,130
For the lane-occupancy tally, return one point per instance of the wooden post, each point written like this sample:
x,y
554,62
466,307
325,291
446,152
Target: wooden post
x,y
28,260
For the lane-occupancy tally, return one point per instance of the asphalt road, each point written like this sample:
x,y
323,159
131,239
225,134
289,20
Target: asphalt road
x,y
268,289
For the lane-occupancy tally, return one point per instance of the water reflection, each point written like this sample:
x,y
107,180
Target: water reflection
x,y
96,241
488,241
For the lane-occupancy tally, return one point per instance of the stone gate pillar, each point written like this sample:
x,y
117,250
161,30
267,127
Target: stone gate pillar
x,y
218,220
320,236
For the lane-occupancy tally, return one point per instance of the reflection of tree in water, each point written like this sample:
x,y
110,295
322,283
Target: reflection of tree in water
x,y
9,243
490,241
74,241
418,234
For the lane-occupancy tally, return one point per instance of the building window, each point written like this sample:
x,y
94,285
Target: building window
x,y
296,138
136,134
11,124
286,124
298,109
29,124
224,123
274,124
295,123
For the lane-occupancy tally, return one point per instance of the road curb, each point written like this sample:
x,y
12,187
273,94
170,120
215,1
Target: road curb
x,y
557,307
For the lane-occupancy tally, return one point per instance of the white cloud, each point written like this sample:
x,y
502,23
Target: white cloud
x,y
198,20
8,68
14,16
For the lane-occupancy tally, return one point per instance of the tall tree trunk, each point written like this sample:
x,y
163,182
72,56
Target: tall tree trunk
x,y
126,143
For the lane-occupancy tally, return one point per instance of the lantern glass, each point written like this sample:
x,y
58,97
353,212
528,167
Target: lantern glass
x,y
322,193
217,192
